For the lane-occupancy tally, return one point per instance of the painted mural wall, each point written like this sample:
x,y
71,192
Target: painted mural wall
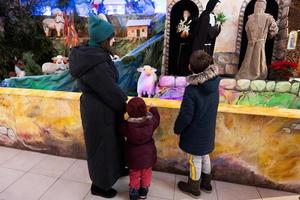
x,y
264,152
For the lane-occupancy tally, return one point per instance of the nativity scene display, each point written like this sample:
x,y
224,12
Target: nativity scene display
x,y
192,31
194,25
245,41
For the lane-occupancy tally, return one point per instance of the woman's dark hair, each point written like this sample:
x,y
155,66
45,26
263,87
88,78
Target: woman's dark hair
x,y
199,61
105,45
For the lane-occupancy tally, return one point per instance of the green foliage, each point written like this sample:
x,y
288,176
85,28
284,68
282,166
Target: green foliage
x,y
123,46
128,59
22,33
31,67
221,17
153,56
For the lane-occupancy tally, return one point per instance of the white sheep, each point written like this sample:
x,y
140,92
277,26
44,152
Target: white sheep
x,y
146,82
60,64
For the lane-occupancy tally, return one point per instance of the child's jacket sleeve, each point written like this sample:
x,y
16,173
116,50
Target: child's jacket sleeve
x,y
186,112
156,117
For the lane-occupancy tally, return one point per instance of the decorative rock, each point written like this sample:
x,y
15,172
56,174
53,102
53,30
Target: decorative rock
x,y
231,69
11,135
270,86
283,23
285,12
235,59
228,84
167,81
283,86
286,2
243,85
295,88
224,58
279,55
258,85
282,33
221,70
180,82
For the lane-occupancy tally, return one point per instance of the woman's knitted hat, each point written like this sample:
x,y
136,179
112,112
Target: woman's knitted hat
x,y
99,30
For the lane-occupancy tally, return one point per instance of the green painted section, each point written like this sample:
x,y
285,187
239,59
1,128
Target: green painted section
x,y
269,99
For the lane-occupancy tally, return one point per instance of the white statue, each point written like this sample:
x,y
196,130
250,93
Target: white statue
x,y
57,24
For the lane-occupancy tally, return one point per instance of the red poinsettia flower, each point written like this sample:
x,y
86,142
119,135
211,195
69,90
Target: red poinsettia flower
x,y
282,70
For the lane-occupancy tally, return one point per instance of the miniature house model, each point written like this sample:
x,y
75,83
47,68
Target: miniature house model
x,y
138,28
115,7
232,42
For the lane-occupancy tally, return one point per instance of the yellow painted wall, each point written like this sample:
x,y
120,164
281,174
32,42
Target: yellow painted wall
x,y
256,146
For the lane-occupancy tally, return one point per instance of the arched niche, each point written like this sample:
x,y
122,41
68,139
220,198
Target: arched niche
x,y
175,7
275,49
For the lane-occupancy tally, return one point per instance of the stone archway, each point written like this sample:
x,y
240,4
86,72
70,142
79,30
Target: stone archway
x,y
165,63
282,37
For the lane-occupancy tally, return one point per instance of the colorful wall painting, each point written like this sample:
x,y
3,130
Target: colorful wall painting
x,y
264,152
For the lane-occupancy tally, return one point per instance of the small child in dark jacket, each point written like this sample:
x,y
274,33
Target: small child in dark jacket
x,y
140,150
196,122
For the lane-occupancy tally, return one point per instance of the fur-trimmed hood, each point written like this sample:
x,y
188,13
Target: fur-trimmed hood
x,y
209,73
140,119
208,80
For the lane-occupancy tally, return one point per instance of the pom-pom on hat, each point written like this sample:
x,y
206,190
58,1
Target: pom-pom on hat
x,y
136,108
99,30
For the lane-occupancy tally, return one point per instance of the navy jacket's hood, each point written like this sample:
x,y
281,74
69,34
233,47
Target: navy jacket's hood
x,y
84,58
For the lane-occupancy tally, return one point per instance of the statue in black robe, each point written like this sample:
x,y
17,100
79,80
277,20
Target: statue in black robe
x,y
207,29
184,32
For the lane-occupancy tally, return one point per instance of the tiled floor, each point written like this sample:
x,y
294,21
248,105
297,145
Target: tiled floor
x,y
32,176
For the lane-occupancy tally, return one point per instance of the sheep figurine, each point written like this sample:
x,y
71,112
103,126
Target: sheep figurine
x,y
146,82
59,65
58,24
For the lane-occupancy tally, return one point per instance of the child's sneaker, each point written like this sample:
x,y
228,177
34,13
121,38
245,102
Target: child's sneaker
x,y
191,188
143,192
205,184
133,194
